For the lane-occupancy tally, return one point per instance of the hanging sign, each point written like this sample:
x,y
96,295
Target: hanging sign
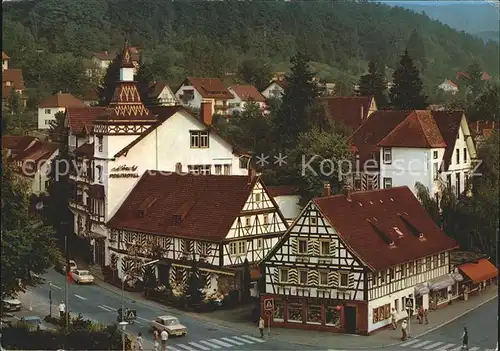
x,y
124,171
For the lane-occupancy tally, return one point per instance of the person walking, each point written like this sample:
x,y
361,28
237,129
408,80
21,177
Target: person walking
x,y
155,338
261,327
138,342
393,319
420,315
426,316
404,325
164,338
465,339
62,310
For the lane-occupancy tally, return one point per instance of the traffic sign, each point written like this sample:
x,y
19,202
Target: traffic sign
x,y
131,315
269,304
409,304
268,313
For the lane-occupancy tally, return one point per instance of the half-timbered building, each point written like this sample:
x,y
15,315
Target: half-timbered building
x,y
218,221
347,260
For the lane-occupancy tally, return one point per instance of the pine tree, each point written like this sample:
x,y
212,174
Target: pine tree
x,y
299,96
57,129
109,81
145,85
406,93
416,49
193,290
374,84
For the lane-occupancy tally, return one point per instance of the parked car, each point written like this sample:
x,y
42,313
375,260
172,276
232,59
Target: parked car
x,y
10,304
61,266
169,323
82,277
33,322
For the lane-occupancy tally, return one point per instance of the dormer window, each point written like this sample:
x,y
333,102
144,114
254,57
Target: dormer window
x,y
398,232
199,139
8,83
387,155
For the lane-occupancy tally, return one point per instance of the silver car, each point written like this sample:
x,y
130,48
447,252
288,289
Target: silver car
x,y
11,304
169,323
81,276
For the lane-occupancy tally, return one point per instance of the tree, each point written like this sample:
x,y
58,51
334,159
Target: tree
x,y
299,95
145,85
27,244
374,84
406,93
57,128
15,103
193,290
246,281
486,106
416,49
255,71
108,83
474,82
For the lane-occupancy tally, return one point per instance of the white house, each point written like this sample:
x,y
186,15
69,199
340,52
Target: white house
x,y
115,145
164,94
218,221
243,94
275,89
193,91
448,86
53,104
12,80
287,197
347,260
401,148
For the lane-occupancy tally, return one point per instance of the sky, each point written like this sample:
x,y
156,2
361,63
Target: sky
x,y
435,2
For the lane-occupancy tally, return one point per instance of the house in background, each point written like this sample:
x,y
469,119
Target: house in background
x,y
448,86
275,89
12,80
193,91
481,130
243,94
164,94
53,104
348,260
104,58
287,197
91,97
351,111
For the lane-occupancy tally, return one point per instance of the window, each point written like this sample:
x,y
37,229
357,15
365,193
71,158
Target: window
x,y
227,169
199,169
448,180
344,280
257,197
419,266
357,184
398,232
99,173
9,83
323,278
204,248
381,277
199,139
302,246
47,111
99,143
458,135
259,243
314,314
403,270
218,169
295,313
178,168
47,122
396,305
391,273
435,155
442,258
303,277
435,261
324,248
233,249
428,263
465,154
247,222
435,168
387,183
242,247
387,155
283,277
457,152
375,279
266,221
243,162
313,220
410,268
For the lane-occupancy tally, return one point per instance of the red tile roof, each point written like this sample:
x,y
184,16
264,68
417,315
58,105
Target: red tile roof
x,y
158,88
448,123
206,206
485,76
15,77
418,130
4,56
210,88
247,93
92,94
35,156
61,100
81,120
17,143
86,149
479,271
282,190
351,111
366,225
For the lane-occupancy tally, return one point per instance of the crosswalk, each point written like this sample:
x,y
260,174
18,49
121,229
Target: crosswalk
x,y
433,345
220,343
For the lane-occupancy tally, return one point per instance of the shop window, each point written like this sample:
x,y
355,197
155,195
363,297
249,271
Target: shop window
x,y
375,315
314,314
442,258
279,311
332,315
381,313
295,313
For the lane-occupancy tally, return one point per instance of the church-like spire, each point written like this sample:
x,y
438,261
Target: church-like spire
x,y
126,57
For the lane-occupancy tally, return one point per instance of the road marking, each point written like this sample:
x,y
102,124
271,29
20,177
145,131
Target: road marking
x,y
198,346
410,342
185,347
419,345
431,346
210,344
104,308
233,341
80,297
55,286
222,343
172,348
446,347
253,338
111,308
457,348
474,349
243,340
143,319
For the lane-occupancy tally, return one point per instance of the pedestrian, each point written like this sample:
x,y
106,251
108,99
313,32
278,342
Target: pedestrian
x,y
404,325
138,342
155,338
62,309
393,319
420,315
261,327
164,338
426,316
465,339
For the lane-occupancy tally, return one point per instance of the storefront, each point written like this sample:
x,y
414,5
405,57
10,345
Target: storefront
x,y
440,291
317,314
421,296
478,275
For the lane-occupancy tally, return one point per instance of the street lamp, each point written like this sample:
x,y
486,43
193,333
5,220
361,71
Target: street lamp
x,y
125,276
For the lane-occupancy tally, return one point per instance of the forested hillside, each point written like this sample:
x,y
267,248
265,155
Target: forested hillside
x,y
210,38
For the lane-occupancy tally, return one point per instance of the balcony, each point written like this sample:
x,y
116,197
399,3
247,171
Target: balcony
x,y
97,218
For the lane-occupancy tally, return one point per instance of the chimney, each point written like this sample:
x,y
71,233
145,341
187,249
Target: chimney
x,y
252,173
206,112
347,190
326,189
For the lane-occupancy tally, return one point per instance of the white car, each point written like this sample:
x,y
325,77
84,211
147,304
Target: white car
x,y
10,304
82,277
169,323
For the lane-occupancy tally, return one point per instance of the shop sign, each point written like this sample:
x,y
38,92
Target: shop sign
x,y
124,171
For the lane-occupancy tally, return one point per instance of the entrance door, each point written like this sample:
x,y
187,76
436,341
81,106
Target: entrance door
x,y
350,319
99,252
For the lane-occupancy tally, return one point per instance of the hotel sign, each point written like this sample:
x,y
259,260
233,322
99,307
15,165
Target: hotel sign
x,y
124,171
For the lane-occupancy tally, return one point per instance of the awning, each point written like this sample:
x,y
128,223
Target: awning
x,y
421,289
457,276
479,271
441,282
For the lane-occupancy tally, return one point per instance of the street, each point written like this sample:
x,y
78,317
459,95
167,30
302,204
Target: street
x,y
101,305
